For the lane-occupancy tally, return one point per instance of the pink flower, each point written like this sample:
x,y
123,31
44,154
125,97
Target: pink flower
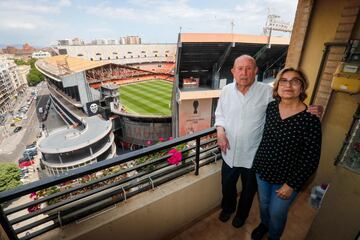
x,y
33,194
175,158
148,142
161,139
171,138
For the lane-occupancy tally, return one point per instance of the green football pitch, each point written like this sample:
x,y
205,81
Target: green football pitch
x,y
147,98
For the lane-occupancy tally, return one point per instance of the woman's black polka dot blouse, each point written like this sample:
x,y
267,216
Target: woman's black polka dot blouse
x,y
289,151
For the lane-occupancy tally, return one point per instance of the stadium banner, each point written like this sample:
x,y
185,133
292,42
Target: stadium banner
x,y
92,108
194,115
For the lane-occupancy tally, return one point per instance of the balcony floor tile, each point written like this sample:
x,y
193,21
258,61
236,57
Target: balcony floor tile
x,y
300,217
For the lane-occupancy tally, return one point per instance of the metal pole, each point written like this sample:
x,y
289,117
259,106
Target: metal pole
x,y
7,226
197,156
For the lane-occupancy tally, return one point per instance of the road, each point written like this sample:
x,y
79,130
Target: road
x,y
13,146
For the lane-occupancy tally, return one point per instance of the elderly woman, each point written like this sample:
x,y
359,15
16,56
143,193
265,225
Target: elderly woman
x,y
288,154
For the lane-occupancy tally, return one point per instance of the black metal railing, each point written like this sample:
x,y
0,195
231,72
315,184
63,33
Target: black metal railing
x,y
79,193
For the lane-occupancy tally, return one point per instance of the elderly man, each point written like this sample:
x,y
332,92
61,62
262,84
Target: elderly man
x,y
240,119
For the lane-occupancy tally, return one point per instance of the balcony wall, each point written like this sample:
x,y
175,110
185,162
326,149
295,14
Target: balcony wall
x,y
155,214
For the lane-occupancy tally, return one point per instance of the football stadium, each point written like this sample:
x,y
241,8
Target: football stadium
x,y
148,93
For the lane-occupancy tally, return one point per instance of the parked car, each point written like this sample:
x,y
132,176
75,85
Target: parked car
x,y
21,160
30,153
31,146
17,129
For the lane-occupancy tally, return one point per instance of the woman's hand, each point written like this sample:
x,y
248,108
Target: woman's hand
x,y
284,192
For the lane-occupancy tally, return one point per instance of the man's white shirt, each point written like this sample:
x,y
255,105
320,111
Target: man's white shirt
x,y
243,118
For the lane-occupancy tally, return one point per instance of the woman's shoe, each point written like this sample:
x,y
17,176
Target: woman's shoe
x,y
259,232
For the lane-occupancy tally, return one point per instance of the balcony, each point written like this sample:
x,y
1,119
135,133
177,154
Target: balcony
x,y
150,200
119,193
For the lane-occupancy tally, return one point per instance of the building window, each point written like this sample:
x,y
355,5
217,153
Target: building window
x,y
98,54
91,59
349,155
155,55
109,58
80,55
100,58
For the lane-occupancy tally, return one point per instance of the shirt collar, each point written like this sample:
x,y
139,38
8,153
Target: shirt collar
x,y
251,89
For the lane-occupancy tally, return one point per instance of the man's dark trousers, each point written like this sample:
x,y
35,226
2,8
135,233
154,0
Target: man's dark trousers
x,y
229,178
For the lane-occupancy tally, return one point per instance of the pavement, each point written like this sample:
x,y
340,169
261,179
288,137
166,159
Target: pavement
x,y
13,144
10,143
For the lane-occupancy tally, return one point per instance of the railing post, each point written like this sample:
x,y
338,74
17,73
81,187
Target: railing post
x,y
197,156
7,226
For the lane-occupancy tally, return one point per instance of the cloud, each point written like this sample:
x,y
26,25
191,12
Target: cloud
x,y
27,7
158,20
182,13
33,7
65,3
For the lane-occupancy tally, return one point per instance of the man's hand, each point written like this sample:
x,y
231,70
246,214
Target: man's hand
x,y
317,110
284,192
222,140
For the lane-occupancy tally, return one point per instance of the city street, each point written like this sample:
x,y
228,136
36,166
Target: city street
x,y
14,144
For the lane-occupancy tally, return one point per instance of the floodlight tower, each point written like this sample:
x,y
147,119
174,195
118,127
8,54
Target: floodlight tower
x,y
274,23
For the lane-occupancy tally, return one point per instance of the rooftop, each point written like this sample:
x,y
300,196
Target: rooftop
x,y
69,139
64,65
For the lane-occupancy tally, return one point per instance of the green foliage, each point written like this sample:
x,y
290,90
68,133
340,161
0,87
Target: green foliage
x,y
34,77
9,176
20,62
32,63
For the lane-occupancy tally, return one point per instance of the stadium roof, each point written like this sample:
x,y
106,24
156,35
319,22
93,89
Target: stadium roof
x,y
64,65
200,51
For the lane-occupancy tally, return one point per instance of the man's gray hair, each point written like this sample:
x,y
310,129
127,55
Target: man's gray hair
x,y
247,57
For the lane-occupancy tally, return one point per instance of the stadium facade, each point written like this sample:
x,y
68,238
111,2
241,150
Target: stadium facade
x,y
85,94
89,75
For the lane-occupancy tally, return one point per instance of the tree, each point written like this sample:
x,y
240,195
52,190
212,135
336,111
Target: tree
x,y
9,176
34,77
20,62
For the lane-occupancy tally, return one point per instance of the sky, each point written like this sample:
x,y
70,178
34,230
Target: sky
x,y
42,22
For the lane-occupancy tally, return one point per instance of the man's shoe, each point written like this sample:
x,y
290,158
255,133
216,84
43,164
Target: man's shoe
x,y
259,232
238,222
224,216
